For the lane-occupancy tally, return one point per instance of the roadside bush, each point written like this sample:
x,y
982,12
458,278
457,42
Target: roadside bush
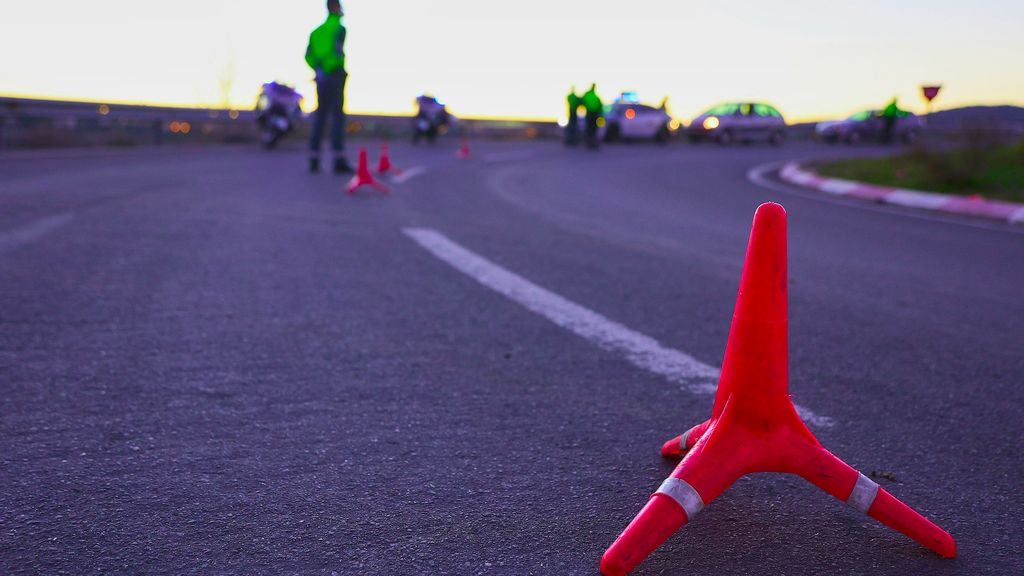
x,y
965,166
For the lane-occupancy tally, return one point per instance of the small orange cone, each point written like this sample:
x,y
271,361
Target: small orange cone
x,y
363,176
385,166
754,426
463,152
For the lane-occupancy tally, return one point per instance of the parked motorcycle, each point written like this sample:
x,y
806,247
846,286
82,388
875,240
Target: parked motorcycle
x,y
277,112
432,118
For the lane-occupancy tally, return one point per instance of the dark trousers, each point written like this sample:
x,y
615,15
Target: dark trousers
x,y
592,128
572,128
330,94
887,128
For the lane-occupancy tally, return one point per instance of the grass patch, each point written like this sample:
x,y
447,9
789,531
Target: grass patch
x,y
990,170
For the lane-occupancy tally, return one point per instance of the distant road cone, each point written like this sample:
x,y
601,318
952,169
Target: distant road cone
x,y
754,426
363,176
385,166
463,151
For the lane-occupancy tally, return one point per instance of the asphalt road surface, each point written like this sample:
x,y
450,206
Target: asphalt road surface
x,y
212,362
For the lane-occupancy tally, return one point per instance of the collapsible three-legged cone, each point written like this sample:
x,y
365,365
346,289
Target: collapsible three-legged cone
x,y
363,176
754,426
385,166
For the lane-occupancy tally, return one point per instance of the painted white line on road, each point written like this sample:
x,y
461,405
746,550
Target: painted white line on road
x,y
494,157
641,350
409,174
32,231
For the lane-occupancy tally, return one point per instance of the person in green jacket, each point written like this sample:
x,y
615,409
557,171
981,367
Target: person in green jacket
x,y
325,54
594,107
889,116
572,128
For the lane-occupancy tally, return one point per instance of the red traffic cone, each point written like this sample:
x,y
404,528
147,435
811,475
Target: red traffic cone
x,y
385,166
754,426
463,152
363,176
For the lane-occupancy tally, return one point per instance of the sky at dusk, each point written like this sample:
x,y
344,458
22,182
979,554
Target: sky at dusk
x,y
811,59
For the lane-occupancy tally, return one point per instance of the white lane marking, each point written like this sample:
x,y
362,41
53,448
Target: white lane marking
x,y
409,174
494,157
33,231
641,350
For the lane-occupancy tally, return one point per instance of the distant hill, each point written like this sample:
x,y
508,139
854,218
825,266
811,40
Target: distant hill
x,y
998,115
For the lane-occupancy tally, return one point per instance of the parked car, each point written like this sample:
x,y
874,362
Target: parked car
x,y
739,122
627,118
868,125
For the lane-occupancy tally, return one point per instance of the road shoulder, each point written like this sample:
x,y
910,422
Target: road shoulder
x,y
795,173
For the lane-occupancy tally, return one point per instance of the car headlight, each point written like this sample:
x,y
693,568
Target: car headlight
x,y
710,123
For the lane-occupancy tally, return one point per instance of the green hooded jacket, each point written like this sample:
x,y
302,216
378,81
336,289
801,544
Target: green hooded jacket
x,y
892,110
326,49
592,102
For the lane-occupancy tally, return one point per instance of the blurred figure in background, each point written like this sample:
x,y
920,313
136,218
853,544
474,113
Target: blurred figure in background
x,y
277,112
889,115
594,107
572,126
431,119
325,54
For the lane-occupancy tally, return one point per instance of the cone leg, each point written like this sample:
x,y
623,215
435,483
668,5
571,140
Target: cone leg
x,y
835,477
902,518
696,481
675,446
681,444
659,519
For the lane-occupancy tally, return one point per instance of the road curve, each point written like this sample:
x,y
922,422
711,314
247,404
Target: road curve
x,y
213,362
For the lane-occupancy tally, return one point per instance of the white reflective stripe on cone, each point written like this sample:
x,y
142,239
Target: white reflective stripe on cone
x,y
682,439
684,495
863,494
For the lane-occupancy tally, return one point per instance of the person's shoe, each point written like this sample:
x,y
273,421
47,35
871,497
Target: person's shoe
x,y
314,165
341,166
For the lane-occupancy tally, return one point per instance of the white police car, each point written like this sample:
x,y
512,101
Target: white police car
x,y
628,119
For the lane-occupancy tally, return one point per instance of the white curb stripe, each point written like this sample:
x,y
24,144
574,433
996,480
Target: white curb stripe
x,y
1017,217
792,172
916,199
836,186
801,177
639,349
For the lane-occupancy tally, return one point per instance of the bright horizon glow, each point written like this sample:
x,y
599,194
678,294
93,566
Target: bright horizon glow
x,y
518,60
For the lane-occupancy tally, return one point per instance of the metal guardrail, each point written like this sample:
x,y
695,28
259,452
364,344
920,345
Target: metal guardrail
x,y
31,123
